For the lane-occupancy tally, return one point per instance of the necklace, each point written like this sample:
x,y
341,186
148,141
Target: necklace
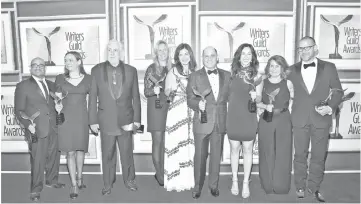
x,y
80,76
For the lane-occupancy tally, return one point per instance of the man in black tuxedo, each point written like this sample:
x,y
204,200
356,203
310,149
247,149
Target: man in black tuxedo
x,y
32,95
312,79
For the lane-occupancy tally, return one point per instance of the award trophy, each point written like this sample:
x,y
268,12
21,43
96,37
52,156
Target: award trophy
x,y
151,32
156,84
58,98
252,106
325,102
33,138
203,96
230,38
267,116
336,26
48,43
346,97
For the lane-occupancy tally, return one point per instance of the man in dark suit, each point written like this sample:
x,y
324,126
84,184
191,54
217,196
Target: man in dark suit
x,y
312,79
117,114
32,95
212,132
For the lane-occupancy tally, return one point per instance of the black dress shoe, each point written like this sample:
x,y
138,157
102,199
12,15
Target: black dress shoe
x,y
319,197
215,192
106,191
35,197
300,193
196,194
156,178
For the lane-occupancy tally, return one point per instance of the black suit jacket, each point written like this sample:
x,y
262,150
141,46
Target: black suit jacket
x,y
30,99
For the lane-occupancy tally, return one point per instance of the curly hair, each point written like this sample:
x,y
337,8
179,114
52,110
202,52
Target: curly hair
x,y
237,56
192,63
280,61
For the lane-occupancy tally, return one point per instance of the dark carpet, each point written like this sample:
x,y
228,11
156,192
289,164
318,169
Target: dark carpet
x,y
336,188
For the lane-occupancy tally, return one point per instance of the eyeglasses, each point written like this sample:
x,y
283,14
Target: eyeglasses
x,y
303,49
38,66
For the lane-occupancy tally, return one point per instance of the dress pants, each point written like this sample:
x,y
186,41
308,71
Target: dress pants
x,y
202,142
319,145
44,155
109,157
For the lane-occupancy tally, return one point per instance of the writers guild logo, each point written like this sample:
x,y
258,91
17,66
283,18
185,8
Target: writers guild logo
x,y
336,26
48,44
230,38
151,32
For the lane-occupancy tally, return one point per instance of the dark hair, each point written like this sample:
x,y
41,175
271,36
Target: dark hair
x,y
77,57
280,61
309,38
237,55
178,64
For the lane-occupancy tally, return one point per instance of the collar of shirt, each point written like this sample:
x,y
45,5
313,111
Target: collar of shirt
x,y
39,79
210,70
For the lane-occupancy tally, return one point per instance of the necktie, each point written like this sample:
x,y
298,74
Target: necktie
x,y
214,71
45,89
309,65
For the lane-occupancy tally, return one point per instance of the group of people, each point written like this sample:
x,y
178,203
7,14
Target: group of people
x,y
189,111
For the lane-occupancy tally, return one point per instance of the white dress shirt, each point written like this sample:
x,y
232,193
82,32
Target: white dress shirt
x,y
214,81
309,75
37,79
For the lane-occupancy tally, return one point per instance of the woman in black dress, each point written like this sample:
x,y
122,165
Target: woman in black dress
x,y
157,106
275,137
241,123
73,133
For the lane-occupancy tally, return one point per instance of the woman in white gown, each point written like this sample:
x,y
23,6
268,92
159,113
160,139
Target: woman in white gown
x,y
179,139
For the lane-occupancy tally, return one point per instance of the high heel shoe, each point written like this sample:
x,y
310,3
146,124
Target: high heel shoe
x,y
74,191
245,189
234,189
80,183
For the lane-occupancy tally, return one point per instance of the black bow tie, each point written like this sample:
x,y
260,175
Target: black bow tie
x,y
309,65
214,71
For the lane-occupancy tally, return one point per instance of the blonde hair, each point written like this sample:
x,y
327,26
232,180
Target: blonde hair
x,y
155,57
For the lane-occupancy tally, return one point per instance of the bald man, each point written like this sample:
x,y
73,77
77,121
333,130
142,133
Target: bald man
x,y
212,132
32,95
114,108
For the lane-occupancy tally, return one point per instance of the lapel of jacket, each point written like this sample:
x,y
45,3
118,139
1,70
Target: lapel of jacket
x,y
299,74
221,82
108,75
37,88
206,83
320,68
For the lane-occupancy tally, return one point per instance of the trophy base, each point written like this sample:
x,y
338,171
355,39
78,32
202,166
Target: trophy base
x,y
51,63
334,56
148,56
334,136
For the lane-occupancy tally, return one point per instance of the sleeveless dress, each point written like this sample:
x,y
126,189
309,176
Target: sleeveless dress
x,y
179,141
156,118
73,134
275,142
241,124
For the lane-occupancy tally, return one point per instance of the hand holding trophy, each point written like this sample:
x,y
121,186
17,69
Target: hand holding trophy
x,y
252,106
157,87
268,113
325,102
58,98
33,138
203,96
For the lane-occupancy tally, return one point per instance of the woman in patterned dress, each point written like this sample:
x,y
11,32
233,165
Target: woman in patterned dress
x,y
179,139
157,116
241,123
